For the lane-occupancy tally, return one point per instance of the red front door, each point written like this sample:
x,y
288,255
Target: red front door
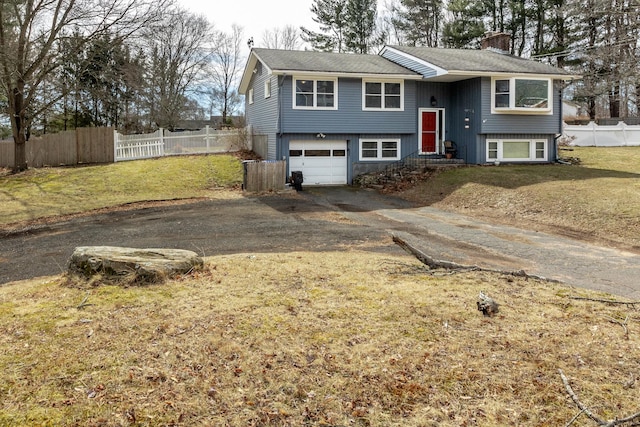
x,y
429,131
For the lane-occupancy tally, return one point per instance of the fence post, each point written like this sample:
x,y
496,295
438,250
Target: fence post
x,y
623,125
206,131
161,141
115,145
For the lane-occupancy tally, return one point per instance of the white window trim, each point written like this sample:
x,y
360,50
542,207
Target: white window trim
x,y
440,132
251,96
267,88
379,142
315,92
512,109
532,150
382,107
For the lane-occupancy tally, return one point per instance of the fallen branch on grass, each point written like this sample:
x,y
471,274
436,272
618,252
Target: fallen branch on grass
x,y
403,240
84,302
607,301
623,324
410,244
584,409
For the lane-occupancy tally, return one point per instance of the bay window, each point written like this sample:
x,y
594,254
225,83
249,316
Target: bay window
x,y
521,95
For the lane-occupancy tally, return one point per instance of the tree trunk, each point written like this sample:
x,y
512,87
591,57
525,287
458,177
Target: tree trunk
x,y
591,107
20,154
19,125
614,101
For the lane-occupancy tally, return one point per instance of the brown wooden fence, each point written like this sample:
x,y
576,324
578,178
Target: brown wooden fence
x,y
83,145
265,176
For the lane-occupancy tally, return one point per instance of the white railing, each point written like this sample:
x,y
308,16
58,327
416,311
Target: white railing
x,y
592,134
166,143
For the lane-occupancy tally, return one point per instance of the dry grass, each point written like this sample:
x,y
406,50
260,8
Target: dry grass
x,y
597,201
349,338
50,192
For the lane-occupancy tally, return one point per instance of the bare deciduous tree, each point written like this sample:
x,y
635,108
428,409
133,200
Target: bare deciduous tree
x,y
176,47
226,66
286,38
29,33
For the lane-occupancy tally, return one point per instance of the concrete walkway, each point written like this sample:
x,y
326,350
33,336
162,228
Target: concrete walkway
x,y
464,240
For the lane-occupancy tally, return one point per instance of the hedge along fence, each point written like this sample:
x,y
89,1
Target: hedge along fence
x,y
68,148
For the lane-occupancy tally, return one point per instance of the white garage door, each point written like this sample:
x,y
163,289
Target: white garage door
x,y
321,163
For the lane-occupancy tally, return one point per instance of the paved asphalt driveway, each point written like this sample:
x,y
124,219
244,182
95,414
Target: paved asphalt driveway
x,y
321,219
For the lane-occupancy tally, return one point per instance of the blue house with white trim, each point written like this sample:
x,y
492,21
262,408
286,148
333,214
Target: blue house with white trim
x,y
334,116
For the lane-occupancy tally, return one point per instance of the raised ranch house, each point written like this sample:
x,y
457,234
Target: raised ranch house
x,y
334,116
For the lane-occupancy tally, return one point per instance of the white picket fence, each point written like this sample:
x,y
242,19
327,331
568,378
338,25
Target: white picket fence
x,y
619,135
166,143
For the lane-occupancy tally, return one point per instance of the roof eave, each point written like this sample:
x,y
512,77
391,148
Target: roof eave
x,y
439,70
346,74
471,74
249,69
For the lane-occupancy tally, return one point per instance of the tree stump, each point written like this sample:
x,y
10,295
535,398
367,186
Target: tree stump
x,y
130,264
487,305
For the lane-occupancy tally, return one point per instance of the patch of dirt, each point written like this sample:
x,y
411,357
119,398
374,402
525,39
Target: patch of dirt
x,y
515,208
24,226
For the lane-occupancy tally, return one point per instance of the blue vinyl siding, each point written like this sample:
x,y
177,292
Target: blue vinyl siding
x,y
262,115
355,166
460,100
466,99
482,143
349,117
519,123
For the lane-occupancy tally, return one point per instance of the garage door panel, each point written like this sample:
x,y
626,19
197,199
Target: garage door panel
x,y
321,163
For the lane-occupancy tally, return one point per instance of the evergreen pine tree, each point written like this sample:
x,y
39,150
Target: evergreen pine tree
x,y
465,28
331,15
361,23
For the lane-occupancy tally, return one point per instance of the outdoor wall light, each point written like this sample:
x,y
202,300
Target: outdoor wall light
x,y
434,101
321,135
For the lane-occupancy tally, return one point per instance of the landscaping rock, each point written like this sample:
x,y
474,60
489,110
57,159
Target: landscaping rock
x,y
130,264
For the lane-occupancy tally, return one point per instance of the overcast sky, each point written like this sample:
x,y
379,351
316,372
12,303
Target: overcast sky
x,y
254,16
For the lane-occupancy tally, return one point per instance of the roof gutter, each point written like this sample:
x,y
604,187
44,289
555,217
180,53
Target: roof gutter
x,y
347,75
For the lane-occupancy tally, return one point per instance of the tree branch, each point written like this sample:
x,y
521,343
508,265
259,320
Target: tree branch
x,y
579,404
607,301
587,411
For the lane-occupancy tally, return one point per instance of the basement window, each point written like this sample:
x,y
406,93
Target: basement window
x,y
516,150
379,149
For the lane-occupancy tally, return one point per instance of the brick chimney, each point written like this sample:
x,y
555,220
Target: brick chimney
x,y
496,41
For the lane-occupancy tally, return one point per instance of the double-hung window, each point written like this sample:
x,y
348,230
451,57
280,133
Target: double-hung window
x,y
522,95
383,95
379,149
315,93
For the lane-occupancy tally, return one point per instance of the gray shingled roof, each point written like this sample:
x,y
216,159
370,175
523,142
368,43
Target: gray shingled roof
x,y
329,62
468,60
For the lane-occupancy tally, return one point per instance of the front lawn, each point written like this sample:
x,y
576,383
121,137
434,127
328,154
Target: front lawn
x,y
350,338
51,192
598,200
